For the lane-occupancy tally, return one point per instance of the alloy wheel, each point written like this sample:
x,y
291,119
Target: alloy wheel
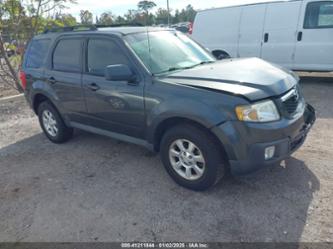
x,y
187,159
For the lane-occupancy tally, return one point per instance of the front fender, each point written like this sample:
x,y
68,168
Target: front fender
x,y
188,109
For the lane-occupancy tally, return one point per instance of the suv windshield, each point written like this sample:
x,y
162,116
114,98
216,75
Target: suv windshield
x,y
166,51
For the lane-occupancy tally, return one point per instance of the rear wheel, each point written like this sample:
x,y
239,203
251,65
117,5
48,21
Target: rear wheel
x,y
52,123
192,157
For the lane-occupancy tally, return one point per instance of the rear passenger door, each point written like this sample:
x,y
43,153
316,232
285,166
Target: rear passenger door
x,y
65,76
116,106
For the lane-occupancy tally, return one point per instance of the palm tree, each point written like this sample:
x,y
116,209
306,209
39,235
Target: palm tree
x,y
146,6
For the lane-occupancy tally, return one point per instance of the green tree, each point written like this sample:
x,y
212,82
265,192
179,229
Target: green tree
x,y
39,9
145,6
66,20
106,18
134,16
176,17
187,14
161,16
86,17
20,21
130,15
120,20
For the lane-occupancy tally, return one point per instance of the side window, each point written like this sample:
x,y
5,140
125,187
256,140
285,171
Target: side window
x,y
37,53
67,55
319,15
102,53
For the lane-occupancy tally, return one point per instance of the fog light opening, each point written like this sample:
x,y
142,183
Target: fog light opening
x,y
269,152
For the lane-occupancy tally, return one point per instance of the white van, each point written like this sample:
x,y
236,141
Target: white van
x,y
295,34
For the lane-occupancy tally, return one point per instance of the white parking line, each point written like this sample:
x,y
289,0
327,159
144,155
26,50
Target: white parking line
x,y
11,97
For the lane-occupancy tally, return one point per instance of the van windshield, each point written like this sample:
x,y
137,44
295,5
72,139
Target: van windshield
x,y
167,51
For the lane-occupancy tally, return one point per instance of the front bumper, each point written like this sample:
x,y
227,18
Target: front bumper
x,y
245,144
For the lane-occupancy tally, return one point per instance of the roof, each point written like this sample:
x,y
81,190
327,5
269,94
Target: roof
x,y
131,30
249,4
125,30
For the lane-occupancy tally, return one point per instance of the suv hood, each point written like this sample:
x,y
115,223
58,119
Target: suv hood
x,y
251,78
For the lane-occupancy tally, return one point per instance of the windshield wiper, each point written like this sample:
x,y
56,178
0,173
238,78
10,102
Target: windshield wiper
x,y
202,63
172,69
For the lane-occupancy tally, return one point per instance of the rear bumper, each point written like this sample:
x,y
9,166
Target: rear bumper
x,y
246,145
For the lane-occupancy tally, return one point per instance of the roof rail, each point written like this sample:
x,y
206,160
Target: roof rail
x,y
88,27
70,28
131,24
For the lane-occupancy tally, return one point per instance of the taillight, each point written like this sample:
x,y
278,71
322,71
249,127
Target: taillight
x,y
190,30
23,79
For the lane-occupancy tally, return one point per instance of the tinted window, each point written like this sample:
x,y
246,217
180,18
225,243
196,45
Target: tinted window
x,y
66,56
319,15
37,53
102,53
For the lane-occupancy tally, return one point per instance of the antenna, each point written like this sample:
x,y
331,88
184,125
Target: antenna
x,y
148,40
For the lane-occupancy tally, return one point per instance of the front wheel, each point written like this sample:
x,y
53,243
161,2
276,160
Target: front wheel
x,y
192,157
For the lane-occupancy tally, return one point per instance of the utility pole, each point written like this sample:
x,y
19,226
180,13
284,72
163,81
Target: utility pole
x,y
168,13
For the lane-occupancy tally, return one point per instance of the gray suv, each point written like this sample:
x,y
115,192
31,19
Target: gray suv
x,y
160,89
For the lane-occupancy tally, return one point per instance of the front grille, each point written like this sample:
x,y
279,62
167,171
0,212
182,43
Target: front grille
x,y
291,105
291,101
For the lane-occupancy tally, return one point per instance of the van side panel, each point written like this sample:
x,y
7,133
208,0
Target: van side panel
x,y
251,30
280,27
218,29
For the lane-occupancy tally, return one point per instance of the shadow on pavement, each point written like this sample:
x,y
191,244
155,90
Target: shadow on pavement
x,y
115,192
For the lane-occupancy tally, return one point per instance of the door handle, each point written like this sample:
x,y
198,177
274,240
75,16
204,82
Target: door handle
x,y
52,80
299,36
93,87
266,36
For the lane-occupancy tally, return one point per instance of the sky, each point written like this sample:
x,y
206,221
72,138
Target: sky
x,y
120,7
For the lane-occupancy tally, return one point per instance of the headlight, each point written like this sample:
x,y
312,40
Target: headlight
x,y
264,111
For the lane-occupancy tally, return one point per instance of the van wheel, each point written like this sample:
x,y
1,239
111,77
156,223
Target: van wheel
x,y
191,157
52,123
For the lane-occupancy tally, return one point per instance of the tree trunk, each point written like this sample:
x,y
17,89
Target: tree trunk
x,y
13,73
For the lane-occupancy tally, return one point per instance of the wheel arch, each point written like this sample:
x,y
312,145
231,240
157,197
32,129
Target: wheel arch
x,y
40,97
168,123
37,100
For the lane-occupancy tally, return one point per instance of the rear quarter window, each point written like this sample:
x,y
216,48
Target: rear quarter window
x,y
37,53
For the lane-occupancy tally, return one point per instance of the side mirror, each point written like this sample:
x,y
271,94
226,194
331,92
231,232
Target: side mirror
x,y
220,55
119,72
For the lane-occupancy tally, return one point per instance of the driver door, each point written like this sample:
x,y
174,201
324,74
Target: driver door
x,y
116,106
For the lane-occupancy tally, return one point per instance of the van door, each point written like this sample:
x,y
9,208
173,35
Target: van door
x,y
250,30
314,47
279,36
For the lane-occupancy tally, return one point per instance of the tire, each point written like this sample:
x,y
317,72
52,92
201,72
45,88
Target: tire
x,y
52,124
184,171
